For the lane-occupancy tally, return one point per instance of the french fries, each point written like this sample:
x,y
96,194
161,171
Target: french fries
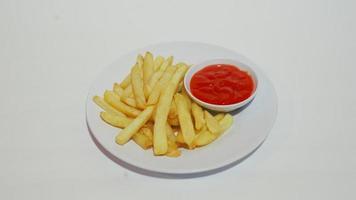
x,y
126,134
148,67
137,87
152,108
198,115
185,119
107,107
114,101
115,120
212,123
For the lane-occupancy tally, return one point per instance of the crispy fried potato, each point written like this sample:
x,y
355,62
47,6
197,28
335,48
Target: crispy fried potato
x,y
142,140
219,116
198,115
137,87
226,122
162,83
173,121
185,119
129,101
118,89
173,150
170,133
107,107
114,101
126,82
115,120
179,137
204,138
212,123
148,67
160,137
158,62
187,99
125,135
156,76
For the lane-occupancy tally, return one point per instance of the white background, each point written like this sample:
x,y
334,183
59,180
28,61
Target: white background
x,y
50,52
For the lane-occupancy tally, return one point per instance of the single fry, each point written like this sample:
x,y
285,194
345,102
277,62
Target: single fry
x,y
162,83
115,120
160,145
142,140
187,99
125,135
226,122
129,101
118,89
219,116
179,137
158,62
185,120
148,67
107,107
198,115
212,123
173,150
170,133
137,87
204,138
114,101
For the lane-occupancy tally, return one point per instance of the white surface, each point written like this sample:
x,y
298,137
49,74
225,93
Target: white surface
x,y
235,144
235,62
50,51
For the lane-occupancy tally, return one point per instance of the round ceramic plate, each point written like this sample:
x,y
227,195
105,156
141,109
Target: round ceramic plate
x,y
252,123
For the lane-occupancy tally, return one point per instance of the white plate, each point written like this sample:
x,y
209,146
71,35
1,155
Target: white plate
x,y
251,123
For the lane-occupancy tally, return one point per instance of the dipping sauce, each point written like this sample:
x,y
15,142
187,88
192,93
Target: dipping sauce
x,y
221,84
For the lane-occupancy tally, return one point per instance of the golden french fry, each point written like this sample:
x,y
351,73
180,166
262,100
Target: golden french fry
x,y
158,62
114,101
148,67
212,123
172,110
147,132
118,89
115,120
180,87
198,115
137,87
187,99
142,140
139,61
185,120
160,145
173,150
160,85
107,107
204,138
226,122
156,76
219,116
125,135
129,101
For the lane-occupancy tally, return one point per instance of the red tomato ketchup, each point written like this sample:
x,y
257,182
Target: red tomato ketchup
x,y
221,84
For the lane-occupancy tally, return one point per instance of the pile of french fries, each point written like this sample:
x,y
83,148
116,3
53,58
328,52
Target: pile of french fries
x,y
153,109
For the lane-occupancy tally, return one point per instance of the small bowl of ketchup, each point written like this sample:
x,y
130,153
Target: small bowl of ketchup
x,y
221,84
